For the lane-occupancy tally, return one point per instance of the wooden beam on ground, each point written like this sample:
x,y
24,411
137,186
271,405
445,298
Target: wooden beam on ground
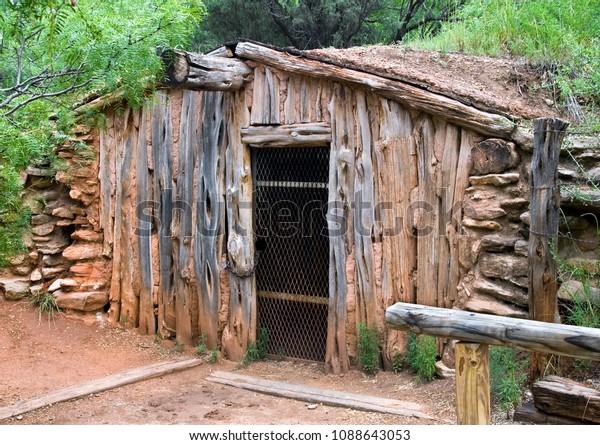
x,y
551,338
473,405
317,395
564,397
293,135
203,72
409,95
95,386
528,413
544,208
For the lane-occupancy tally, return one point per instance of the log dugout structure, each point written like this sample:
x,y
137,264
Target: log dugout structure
x,y
176,197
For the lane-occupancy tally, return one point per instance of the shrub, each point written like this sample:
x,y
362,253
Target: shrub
x,y
46,304
508,376
421,356
368,348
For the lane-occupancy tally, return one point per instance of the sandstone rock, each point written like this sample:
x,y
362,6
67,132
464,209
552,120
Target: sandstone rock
x,y
41,240
65,223
39,172
37,220
81,301
520,281
93,285
43,230
84,172
49,208
83,251
56,284
503,266
489,305
565,173
36,288
83,269
483,225
493,156
503,291
580,142
87,235
54,245
51,272
70,283
514,207
497,243
75,194
36,275
80,211
573,289
22,270
53,260
497,180
14,288
582,196
483,210
526,218
33,256
522,248
62,212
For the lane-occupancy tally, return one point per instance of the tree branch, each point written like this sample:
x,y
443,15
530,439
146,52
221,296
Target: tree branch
x,y
48,95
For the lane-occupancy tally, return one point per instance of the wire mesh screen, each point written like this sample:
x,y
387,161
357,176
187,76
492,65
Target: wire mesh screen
x,y
292,276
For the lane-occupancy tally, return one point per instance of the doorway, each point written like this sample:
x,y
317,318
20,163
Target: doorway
x,y
292,276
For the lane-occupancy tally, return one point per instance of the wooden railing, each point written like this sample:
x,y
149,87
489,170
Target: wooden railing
x,y
476,332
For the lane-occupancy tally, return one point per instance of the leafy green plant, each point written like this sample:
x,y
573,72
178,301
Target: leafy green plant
x,y
585,310
368,348
257,350
201,348
421,356
213,356
46,304
508,376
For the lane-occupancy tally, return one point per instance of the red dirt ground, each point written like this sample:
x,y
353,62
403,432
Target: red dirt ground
x,y
40,356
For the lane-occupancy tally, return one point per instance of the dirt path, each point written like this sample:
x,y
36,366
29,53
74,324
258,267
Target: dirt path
x,y
37,357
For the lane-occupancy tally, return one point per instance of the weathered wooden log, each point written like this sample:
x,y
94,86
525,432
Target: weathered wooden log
x,y
528,413
573,341
241,323
452,110
204,72
318,395
208,246
143,187
544,207
95,386
564,397
341,182
295,135
473,405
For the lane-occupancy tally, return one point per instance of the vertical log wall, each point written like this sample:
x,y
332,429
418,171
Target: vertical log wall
x,y
176,193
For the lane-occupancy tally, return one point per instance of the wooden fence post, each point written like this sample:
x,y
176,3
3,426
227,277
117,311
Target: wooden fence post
x,y
472,384
544,207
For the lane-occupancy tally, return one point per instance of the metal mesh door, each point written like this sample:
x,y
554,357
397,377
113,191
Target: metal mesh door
x,y
292,276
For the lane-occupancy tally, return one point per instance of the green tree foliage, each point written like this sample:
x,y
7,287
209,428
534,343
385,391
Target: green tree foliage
x,y
55,53
308,24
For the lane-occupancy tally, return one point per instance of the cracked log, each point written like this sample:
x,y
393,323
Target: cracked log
x,y
573,341
204,72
